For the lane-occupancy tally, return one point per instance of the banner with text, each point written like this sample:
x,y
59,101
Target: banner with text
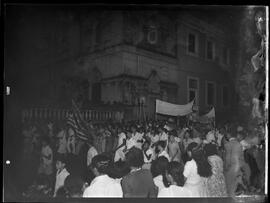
x,y
166,108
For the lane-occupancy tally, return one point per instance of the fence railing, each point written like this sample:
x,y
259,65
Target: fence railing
x,y
61,114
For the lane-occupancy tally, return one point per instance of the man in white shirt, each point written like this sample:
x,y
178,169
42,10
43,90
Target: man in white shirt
x,y
154,137
119,154
174,149
102,185
147,154
61,173
163,135
131,140
92,152
138,137
121,137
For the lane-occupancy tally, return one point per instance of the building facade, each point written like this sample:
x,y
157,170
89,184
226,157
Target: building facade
x,y
131,58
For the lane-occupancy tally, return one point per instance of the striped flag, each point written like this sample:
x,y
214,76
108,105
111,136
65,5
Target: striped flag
x,y
75,120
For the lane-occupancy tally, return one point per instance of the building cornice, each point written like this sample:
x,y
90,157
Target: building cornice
x,y
135,77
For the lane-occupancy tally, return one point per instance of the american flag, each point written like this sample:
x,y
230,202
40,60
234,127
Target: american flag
x,y
76,121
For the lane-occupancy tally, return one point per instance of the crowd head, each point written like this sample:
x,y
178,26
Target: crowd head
x,y
174,174
134,158
100,164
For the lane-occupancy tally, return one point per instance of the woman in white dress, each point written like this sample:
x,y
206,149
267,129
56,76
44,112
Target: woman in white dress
x,y
197,171
175,178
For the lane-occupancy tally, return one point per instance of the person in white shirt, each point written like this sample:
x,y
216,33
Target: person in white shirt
x,y
92,152
174,175
61,173
161,150
163,135
121,137
119,153
147,154
137,136
102,185
158,170
174,149
196,171
154,137
131,141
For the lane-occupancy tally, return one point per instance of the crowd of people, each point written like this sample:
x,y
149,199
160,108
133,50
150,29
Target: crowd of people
x,y
154,158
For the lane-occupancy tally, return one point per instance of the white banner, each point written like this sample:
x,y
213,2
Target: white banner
x,y
173,109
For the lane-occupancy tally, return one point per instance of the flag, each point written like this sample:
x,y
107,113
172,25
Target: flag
x,y
76,121
166,108
81,133
206,118
210,114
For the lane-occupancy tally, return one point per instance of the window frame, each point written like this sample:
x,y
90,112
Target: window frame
x,y
196,44
206,93
197,91
214,50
